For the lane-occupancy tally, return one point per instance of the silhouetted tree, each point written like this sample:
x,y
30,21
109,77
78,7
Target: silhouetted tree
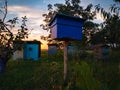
x,y
117,0
111,25
7,35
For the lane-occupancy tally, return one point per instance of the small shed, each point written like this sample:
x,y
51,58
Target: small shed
x,y
52,49
65,27
101,51
31,50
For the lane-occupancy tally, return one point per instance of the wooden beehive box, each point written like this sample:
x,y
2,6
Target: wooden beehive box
x,y
28,50
101,51
64,27
52,49
32,50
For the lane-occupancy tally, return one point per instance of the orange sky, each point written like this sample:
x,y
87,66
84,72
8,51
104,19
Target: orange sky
x,y
44,45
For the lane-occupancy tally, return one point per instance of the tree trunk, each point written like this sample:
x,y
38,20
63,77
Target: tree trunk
x,y
3,62
5,53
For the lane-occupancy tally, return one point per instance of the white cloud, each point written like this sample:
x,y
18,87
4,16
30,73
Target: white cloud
x,y
99,18
31,13
34,16
53,1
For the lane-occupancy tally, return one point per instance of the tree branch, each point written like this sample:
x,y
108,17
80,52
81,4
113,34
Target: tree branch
x,y
5,10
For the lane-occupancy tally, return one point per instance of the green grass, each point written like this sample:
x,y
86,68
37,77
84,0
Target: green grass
x,y
47,73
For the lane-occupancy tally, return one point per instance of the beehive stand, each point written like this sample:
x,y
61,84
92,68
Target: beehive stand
x,y
66,28
65,58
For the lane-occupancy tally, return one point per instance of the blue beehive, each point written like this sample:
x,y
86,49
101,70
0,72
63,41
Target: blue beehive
x,y
32,50
64,27
52,49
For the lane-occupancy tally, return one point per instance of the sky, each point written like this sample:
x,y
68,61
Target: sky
x,y
34,9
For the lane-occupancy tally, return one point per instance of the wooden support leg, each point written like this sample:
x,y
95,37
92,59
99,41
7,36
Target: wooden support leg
x,y
65,59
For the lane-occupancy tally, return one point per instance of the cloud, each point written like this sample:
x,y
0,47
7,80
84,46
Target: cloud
x,y
99,18
53,1
34,16
32,13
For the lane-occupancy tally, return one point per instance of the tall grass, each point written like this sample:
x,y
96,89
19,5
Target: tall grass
x,y
84,73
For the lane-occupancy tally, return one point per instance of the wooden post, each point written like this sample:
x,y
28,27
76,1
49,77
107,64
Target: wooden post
x,y
65,59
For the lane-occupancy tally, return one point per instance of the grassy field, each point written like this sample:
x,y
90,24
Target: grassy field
x,y
84,73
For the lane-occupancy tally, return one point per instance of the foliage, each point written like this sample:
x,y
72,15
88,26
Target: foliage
x,y
98,38
90,29
117,0
8,35
8,28
110,30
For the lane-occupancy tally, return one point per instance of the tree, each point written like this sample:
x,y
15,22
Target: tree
x,y
117,0
98,38
111,24
73,8
7,35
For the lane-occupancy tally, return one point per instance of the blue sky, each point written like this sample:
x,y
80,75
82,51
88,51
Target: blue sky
x,y
34,9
